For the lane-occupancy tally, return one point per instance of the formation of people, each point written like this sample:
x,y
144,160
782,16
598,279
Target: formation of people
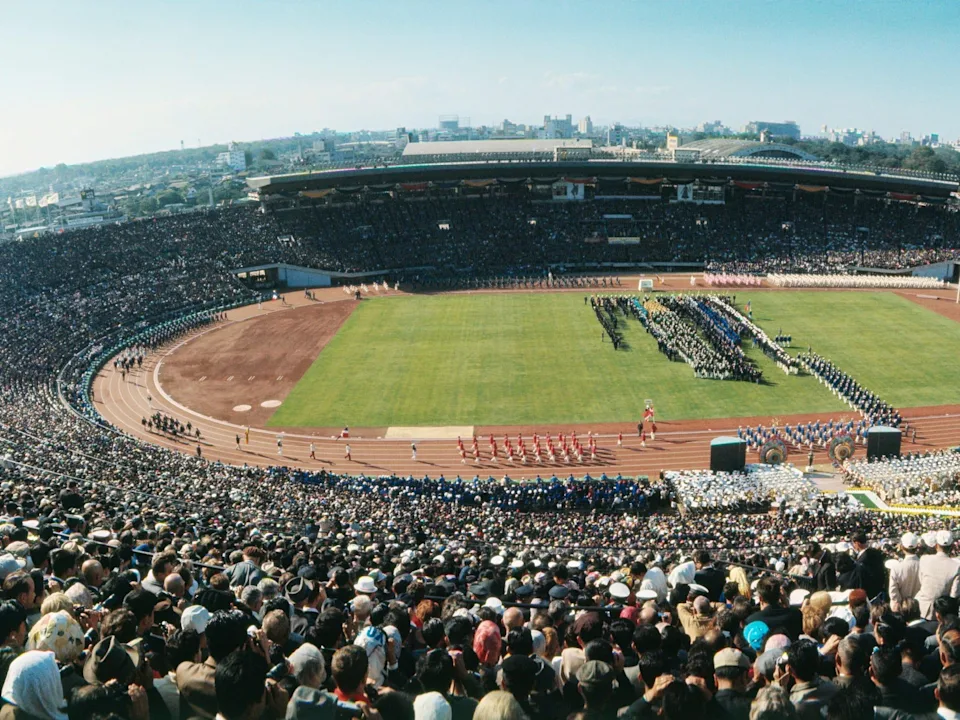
x,y
853,393
927,479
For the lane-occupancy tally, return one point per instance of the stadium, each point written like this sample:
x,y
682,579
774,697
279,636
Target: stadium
x,y
525,382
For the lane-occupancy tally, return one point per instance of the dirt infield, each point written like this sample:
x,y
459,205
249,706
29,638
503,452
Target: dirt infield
x,y
251,360
267,350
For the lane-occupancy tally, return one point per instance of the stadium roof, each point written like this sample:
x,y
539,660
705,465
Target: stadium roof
x,y
723,148
519,146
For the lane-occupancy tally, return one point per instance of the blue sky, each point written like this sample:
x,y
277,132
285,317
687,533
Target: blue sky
x,y
83,81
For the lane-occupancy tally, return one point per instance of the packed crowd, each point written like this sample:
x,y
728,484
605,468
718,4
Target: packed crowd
x,y
756,489
928,479
871,407
125,610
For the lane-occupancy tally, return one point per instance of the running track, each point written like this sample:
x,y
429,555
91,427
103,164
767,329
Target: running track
x,y
679,445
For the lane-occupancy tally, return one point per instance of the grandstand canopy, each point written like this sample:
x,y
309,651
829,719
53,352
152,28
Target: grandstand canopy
x,y
508,149
723,148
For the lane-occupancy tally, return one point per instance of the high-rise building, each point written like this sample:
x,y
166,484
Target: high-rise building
x,y
585,126
557,127
616,135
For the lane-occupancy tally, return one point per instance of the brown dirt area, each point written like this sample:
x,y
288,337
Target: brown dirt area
x,y
250,361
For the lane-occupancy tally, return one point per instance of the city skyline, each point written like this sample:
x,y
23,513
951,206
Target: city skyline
x,y
92,84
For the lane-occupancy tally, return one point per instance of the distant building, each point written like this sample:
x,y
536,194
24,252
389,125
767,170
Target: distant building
x,y
905,138
585,126
774,129
449,123
616,135
233,158
713,128
556,127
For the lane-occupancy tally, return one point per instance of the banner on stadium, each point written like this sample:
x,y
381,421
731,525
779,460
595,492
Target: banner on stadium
x,y
414,187
903,196
581,181
685,192
317,194
645,181
812,188
623,240
568,191
50,199
479,183
748,185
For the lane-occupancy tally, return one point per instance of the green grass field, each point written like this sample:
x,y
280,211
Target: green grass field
x,y
518,359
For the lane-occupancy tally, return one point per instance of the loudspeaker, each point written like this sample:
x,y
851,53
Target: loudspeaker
x,y
728,455
883,442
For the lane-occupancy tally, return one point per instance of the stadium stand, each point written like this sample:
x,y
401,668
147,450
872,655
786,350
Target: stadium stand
x,y
208,590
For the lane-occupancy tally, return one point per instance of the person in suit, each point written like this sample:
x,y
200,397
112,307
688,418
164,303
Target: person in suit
x,y
824,571
870,572
711,577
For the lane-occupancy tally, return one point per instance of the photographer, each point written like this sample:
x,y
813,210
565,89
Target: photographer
x,y
243,691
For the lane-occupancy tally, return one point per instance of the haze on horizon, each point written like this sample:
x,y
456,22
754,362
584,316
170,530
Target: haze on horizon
x,y
89,81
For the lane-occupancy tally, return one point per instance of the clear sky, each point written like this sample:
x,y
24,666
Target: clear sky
x,y
83,81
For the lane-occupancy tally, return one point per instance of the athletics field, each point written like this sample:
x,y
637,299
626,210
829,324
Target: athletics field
x,y
537,358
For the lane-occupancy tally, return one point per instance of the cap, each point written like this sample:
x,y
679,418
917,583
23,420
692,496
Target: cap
x,y
10,564
559,592
929,538
730,657
479,590
494,604
910,540
496,560
644,595
595,673
754,634
944,538
195,618
619,591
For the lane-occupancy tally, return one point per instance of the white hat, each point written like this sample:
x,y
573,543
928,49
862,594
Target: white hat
x,y
619,591
574,564
195,618
797,596
439,559
944,538
496,560
516,563
929,538
365,585
910,540
495,604
431,706
647,594
695,588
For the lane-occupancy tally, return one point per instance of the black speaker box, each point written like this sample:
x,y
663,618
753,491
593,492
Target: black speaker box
x,y
728,457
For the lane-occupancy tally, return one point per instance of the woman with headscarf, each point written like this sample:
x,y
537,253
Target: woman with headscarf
x,y
655,580
32,690
61,635
487,642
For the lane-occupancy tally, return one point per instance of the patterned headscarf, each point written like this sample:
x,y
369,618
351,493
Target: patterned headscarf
x,y
58,633
487,642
